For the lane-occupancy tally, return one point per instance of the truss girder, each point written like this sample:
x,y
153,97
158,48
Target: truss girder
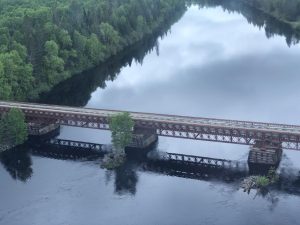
x,y
76,144
226,134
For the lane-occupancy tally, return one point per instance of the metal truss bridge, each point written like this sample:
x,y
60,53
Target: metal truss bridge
x,y
197,128
78,147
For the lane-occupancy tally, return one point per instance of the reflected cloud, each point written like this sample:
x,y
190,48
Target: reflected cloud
x,y
216,90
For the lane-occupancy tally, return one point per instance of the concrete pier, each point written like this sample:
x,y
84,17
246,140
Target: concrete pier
x,y
265,153
143,138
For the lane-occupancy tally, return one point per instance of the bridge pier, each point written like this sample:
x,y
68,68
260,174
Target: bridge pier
x,y
264,154
143,138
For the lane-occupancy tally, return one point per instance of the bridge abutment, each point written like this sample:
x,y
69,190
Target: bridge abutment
x,y
264,154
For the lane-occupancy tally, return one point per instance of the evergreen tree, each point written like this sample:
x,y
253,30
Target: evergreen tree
x,y
121,126
53,64
13,129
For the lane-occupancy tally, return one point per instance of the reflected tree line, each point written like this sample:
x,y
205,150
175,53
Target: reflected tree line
x,y
257,18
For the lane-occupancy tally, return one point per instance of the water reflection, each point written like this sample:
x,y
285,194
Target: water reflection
x,y
126,178
17,162
255,17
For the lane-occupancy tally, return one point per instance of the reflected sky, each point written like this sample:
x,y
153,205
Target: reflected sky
x,y
213,64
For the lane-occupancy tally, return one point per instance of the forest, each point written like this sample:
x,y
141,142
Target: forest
x,y
43,42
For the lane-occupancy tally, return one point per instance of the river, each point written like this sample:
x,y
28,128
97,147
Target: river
x,y
211,63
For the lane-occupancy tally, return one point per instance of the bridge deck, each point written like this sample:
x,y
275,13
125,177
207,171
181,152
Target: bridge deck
x,y
197,128
161,118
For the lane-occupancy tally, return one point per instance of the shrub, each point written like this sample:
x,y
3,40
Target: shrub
x,y
262,181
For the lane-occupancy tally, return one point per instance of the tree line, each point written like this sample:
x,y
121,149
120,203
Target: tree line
x,y
43,42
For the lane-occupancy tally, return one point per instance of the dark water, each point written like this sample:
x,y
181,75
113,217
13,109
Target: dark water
x,y
213,63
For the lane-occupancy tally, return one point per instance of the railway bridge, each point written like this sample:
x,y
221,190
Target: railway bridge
x,y
266,139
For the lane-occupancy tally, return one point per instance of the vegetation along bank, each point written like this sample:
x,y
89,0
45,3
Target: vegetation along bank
x,y
43,42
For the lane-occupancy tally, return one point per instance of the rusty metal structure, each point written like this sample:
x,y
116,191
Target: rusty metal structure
x,y
77,145
197,128
165,158
199,160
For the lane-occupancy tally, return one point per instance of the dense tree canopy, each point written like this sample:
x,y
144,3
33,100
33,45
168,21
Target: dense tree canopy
x,y
43,42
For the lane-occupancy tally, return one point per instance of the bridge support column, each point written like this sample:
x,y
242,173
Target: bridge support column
x,y
143,138
264,155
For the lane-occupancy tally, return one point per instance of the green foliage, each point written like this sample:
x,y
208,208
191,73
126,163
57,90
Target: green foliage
x,y
53,64
16,75
43,42
5,88
13,129
262,181
94,49
121,126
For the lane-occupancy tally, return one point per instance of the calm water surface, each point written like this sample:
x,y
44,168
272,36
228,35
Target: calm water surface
x,y
212,64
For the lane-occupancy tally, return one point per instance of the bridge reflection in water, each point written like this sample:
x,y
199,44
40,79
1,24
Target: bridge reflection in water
x,y
126,178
